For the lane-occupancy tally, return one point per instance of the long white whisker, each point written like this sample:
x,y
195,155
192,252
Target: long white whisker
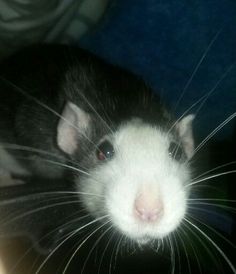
x,y
172,252
211,199
194,251
177,249
67,166
57,164
213,230
214,169
30,149
201,99
65,225
214,205
95,111
38,203
39,209
197,67
186,254
216,85
66,239
211,177
219,127
35,195
206,187
80,245
41,152
194,104
106,247
201,242
214,244
114,253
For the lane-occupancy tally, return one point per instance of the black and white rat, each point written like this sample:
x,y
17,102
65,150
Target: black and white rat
x,y
129,152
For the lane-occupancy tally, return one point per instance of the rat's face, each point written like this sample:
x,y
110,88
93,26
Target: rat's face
x,y
140,179
137,175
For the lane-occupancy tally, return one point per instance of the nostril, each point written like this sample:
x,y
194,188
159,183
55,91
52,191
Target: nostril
x,y
148,211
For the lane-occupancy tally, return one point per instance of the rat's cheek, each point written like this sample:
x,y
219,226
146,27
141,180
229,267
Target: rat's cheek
x,y
91,193
119,205
175,203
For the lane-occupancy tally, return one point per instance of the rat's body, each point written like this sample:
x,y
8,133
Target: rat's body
x,y
111,124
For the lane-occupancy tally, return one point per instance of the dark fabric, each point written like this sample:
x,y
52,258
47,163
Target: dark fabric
x,y
164,41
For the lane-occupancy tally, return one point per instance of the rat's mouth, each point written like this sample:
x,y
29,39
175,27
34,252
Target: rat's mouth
x,y
145,240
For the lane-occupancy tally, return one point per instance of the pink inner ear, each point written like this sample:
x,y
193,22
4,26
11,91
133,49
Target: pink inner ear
x,y
184,128
73,125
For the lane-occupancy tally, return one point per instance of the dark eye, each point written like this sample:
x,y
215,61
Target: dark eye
x,y
105,151
175,151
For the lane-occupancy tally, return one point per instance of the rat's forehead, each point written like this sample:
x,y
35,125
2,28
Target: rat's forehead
x,y
137,133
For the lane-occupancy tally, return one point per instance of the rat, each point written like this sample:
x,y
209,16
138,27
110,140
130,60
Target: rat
x,y
122,144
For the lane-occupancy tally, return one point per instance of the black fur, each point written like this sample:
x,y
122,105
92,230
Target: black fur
x,y
56,74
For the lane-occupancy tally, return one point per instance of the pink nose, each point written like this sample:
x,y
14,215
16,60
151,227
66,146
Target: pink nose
x,y
148,209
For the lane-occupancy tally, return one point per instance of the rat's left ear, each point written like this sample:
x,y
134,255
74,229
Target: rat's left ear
x,y
73,126
185,131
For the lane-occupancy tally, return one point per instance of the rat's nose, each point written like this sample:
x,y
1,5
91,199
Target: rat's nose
x,y
148,208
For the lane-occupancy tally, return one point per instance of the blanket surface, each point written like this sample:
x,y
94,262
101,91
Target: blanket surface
x,y
172,42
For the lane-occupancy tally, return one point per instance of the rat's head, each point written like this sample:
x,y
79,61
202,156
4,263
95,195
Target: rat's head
x,y
137,175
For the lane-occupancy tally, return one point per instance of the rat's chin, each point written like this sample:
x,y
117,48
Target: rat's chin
x,y
144,240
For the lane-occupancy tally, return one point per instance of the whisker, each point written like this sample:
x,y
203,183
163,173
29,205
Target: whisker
x,y
80,245
37,210
213,204
214,244
35,195
95,111
205,187
211,254
213,230
186,254
190,242
114,254
38,203
105,113
30,149
211,177
216,85
193,105
66,239
211,199
58,164
106,247
60,227
43,152
202,99
197,67
214,169
177,250
172,255
218,128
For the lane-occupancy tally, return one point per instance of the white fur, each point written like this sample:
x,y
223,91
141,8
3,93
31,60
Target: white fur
x,y
141,162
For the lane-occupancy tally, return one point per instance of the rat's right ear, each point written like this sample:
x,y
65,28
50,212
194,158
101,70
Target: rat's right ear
x,y
185,131
73,125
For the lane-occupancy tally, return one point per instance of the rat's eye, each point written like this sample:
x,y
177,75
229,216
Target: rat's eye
x,y
105,151
175,151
